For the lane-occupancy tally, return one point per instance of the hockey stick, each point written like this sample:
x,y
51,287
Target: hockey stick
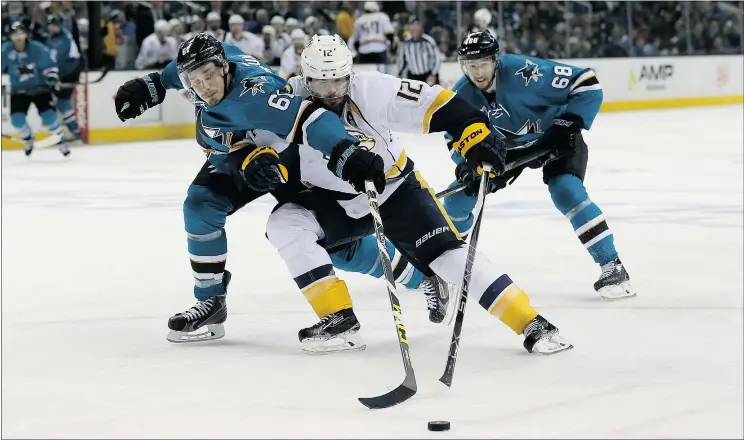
x,y
47,142
408,388
449,369
510,166
104,72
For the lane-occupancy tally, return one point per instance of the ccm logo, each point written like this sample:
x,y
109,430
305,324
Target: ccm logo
x,y
431,234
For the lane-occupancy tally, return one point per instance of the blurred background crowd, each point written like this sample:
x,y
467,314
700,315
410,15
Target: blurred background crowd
x,y
142,35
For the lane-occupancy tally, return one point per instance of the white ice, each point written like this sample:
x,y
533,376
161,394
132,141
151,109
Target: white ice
x,y
94,263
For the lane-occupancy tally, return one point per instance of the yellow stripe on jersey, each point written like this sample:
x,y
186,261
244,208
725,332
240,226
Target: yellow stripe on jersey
x,y
305,104
328,296
513,309
471,136
442,98
426,186
398,165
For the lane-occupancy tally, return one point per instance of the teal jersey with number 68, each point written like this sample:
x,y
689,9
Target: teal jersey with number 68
x,y
530,93
257,99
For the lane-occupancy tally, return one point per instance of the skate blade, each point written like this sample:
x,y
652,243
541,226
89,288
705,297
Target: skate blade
x,y
454,299
213,331
339,343
621,291
551,345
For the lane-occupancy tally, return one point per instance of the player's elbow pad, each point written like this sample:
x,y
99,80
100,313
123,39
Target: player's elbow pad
x,y
455,116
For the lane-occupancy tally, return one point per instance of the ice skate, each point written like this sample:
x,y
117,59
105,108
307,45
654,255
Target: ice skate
x,y
28,146
542,337
614,283
210,313
64,149
437,298
335,332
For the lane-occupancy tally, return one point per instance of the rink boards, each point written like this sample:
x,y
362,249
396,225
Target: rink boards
x,y
628,84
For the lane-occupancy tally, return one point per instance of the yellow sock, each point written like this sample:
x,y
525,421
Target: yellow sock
x,y
513,309
328,296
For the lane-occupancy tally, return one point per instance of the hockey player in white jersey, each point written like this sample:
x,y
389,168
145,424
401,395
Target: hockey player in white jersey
x,y
333,211
373,34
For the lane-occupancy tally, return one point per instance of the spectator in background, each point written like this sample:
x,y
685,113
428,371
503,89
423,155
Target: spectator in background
x,y
290,62
290,25
418,56
158,49
482,21
197,27
311,25
84,27
345,22
247,42
262,19
214,21
273,48
277,22
176,30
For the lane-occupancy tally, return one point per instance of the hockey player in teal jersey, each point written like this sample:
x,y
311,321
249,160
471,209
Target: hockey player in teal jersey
x,y
239,103
538,103
33,76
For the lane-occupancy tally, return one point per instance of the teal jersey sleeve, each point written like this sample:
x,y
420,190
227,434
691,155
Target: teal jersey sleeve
x,y
169,76
43,58
560,85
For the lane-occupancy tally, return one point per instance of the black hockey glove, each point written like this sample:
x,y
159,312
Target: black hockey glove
x,y
262,170
357,165
137,95
467,175
561,136
478,145
52,80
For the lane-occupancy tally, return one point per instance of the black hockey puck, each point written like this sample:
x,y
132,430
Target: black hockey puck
x,y
439,425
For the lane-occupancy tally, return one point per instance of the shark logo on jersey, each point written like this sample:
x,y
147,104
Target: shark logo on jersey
x,y
525,134
255,85
530,71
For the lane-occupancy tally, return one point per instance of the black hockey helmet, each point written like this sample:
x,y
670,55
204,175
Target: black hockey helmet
x,y
476,45
18,27
54,20
196,51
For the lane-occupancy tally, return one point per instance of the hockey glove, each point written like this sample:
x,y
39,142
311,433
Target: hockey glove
x,y
468,176
52,80
478,145
262,170
137,95
357,165
561,136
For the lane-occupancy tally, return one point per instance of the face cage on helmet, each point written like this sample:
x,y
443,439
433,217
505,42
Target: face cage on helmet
x,y
338,94
183,74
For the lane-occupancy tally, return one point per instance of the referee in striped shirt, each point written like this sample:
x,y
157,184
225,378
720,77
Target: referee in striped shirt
x,y
419,55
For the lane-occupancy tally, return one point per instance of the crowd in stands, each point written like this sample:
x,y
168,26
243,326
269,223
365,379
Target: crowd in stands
x,y
139,34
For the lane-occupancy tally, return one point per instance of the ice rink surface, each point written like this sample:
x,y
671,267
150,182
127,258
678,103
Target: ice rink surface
x,y
94,262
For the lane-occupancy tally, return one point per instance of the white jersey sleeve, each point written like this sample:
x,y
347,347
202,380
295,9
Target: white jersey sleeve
x,y
409,104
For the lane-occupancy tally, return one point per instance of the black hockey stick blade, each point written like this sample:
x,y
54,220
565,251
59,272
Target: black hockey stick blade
x,y
394,397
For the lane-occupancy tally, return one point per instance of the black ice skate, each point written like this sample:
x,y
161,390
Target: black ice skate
x,y
542,337
437,298
210,313
335,332
28,146
64,149
614,283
